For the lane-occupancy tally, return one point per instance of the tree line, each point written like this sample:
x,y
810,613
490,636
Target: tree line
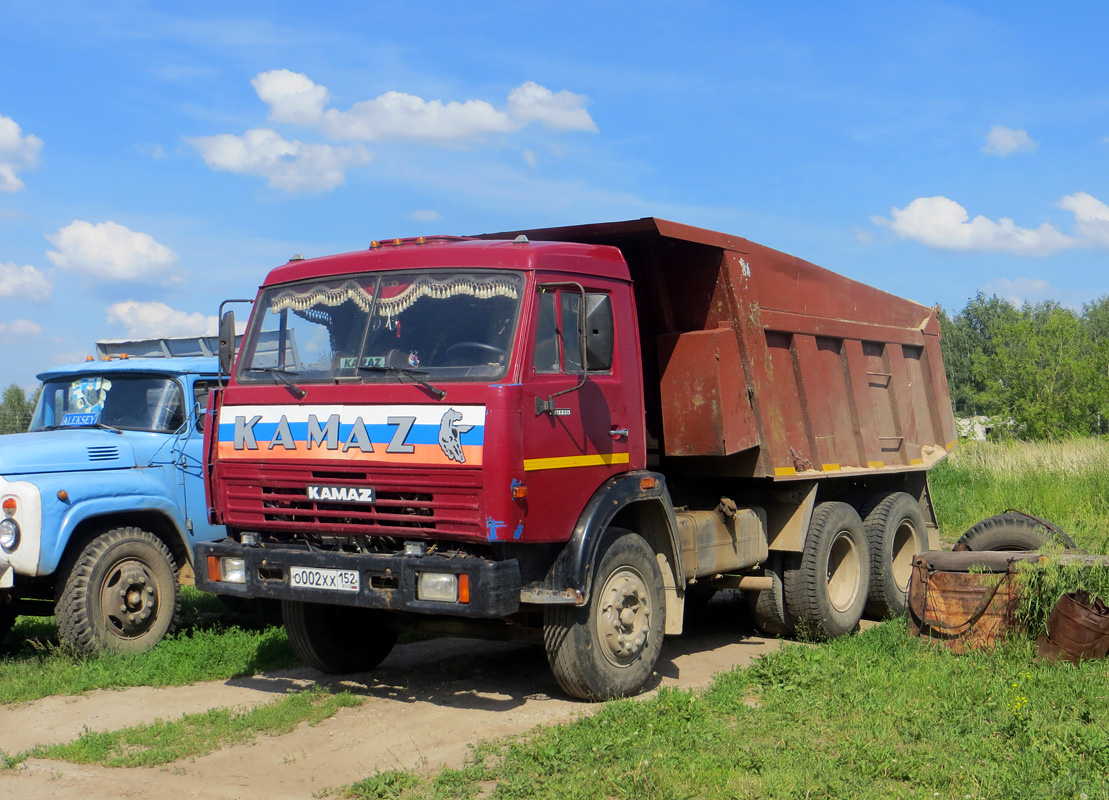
x,y
1040,371
16,409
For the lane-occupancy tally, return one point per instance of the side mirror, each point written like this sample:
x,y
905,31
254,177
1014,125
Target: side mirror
x,y
599,332
226,342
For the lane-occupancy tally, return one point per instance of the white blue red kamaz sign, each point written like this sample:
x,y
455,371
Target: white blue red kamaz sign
x,y
396,434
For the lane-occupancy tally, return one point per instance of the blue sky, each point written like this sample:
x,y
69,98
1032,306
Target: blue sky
x,y
156,158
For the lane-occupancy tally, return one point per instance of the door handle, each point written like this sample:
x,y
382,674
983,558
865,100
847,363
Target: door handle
x,y
618,433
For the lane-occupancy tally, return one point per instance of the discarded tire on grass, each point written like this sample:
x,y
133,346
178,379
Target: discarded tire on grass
x,y
1011,532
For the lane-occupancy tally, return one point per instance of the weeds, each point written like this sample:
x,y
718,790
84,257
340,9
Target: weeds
x,y
213,644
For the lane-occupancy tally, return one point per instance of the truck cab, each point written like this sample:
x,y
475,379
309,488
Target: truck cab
x,y
103,496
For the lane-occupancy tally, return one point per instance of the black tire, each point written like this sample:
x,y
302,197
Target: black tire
x,y
699,595
895,532
7,620
826,590
120,594
1009,532
768,607
609,647
338,639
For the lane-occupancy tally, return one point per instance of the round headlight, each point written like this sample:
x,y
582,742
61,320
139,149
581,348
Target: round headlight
x,y
9,535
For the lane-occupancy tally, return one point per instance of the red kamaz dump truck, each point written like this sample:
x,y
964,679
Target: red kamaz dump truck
x,y
556,434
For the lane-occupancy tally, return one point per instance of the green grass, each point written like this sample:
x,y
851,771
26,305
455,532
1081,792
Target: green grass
x,y
193,735
1066,483
214,643
880,715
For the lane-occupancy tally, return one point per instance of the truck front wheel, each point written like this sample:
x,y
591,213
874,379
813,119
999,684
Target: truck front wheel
x,y
337,639
609,647
120,594
825,592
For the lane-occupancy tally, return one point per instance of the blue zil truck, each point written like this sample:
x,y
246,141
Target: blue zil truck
x,y
103,498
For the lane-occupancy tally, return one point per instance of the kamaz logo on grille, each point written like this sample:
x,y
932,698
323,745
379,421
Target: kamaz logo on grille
x,y
341,494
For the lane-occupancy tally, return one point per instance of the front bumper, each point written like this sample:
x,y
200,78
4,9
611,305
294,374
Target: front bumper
x,y
386,581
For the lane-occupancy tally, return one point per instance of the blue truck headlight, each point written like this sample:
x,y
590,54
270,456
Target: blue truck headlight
x,y
9,535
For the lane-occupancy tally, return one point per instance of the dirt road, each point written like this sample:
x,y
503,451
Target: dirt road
x,y
424,707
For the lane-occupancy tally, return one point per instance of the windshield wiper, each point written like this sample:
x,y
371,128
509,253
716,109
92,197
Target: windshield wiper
x,y
411,375
282,374
101,425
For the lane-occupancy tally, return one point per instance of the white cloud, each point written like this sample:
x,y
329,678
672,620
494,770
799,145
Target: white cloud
x,y
425,216
1020,290
19,329
565,110
291,166
112,251
1091,217
16,152
943,223
147,320
294,98
291,96
25,283
529,157
1002,141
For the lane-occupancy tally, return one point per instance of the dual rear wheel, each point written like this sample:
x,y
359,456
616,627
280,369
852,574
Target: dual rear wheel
x,y
857,560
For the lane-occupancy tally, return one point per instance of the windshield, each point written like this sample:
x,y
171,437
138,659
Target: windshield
x,y
125,402
442,325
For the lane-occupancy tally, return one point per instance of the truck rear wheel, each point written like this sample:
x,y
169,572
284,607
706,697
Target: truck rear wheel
x,y
120,594
337,639
768,606
609,647
826,591
895,532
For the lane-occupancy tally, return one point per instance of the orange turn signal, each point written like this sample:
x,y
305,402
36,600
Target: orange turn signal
x,y
519,491
463,588
648,483
213,569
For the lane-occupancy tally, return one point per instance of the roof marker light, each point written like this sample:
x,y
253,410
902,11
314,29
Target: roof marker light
x,y
375,244
397,243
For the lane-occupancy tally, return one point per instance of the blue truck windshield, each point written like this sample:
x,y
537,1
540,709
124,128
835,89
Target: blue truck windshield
x,y
122,402
439,324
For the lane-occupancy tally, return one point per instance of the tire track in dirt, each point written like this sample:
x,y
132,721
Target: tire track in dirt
x,y
425,706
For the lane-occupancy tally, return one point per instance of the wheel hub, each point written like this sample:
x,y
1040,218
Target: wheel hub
x,y
624,618
129,600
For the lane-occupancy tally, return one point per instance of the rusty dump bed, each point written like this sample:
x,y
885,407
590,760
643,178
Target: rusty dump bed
x,y
759,364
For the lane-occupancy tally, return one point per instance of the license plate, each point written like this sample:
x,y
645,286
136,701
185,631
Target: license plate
x,y
334,580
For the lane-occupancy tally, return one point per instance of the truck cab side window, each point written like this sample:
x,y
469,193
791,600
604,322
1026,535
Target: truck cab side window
x,y
547,344
556,336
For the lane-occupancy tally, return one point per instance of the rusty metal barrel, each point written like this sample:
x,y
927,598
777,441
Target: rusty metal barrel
x,y
964,600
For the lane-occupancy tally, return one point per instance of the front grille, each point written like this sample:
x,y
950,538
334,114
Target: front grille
x,y
433,504
104,453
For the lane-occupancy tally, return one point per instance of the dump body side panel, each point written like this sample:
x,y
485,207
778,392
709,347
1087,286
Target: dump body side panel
x,y
759,364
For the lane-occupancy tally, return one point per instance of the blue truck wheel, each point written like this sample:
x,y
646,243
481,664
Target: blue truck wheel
x,y
120,595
